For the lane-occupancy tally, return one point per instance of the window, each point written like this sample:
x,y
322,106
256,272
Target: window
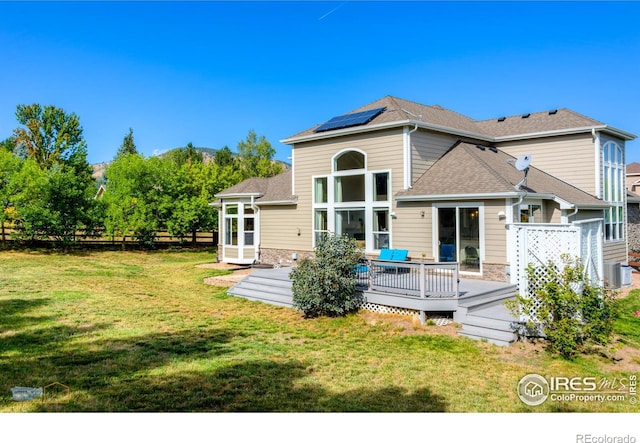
x,y
614,191
248,225
350,160
320,190
353,201
239,225
380,228
350,188
231,225
381,186
530,213
320,224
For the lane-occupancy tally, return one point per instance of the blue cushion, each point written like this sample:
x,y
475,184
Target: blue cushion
x,y
386,254
400,254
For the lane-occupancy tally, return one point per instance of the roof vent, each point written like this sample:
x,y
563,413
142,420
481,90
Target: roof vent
x,y
553,112
525,115
482,148
493,149
501,119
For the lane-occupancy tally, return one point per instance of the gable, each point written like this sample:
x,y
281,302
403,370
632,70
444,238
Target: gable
x,y
479,171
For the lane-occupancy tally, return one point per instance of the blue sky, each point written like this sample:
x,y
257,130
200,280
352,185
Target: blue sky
x,y
208,72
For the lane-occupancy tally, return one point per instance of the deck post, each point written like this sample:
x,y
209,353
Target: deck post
x,y
423,281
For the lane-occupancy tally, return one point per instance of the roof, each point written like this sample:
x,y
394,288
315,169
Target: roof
x,y
400,112
632,197
271,190
633,168
475,171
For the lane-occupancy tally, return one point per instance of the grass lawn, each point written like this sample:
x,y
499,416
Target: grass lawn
x,y
139,331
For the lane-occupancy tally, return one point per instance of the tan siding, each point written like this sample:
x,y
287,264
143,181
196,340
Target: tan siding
x,y
279,226
231,252
587,215
413,232
279,229
551,212
615,251
426,148
383,150
570,158
495,233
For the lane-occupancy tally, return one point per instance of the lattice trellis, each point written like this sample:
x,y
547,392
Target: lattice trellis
x,y
540,244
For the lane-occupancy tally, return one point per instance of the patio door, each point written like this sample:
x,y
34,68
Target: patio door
x,y
458,235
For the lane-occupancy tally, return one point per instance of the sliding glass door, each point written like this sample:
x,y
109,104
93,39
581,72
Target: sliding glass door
x,y
458,236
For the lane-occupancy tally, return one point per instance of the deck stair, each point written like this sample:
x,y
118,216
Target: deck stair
x,y
485,317
271,286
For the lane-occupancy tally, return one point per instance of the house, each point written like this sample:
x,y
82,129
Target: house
x,y
633,208
395,173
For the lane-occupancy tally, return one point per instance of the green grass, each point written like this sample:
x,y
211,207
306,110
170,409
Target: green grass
x,y
628,325
139,331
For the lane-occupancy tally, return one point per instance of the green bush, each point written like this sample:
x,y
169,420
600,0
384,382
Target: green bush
x,y
570,311
327,284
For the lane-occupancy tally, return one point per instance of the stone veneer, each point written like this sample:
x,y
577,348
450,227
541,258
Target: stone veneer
x,y
273,256
633,226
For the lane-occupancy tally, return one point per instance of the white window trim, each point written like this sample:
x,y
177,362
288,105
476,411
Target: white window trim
x,y
367,205
617,186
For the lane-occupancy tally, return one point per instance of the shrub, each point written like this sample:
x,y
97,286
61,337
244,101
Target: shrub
x,y
327,285
570,311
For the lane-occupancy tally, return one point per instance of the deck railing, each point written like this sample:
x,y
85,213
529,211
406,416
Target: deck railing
x,y
424,280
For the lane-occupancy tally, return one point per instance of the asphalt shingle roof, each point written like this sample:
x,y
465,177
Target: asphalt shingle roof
x,y
471,170
272,189
400,110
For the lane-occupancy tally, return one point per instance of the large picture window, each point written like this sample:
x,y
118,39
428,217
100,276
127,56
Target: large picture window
x,y
614,191
353,201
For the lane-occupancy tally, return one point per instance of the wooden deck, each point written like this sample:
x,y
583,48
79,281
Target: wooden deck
x,y
478,305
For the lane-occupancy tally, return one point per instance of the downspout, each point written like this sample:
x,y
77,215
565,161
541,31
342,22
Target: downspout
x,y
598,166
256,232
408,163
575,211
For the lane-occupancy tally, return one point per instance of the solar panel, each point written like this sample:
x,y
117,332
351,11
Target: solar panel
x,y
349,120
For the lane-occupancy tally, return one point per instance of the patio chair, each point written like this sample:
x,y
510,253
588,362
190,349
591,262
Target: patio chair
x,y
471,256
447,252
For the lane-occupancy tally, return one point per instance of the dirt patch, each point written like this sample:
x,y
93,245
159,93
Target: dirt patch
x,y
228,280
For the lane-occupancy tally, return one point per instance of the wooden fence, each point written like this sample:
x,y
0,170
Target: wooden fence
x,y
161,238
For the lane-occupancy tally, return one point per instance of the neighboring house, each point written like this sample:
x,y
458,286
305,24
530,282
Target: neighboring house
x,y
633,177
633,207
398,174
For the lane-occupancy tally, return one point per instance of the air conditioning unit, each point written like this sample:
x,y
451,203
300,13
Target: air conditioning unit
x,y
625,275
612,275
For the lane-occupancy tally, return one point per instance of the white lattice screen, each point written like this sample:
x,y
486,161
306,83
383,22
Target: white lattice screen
x,y
539,244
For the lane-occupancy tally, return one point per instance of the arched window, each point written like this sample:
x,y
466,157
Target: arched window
x,y
348,160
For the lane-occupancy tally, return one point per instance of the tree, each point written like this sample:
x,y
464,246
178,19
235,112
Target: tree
x,y
256,157
50,136
223,156
191,190
136,198
188,155
10,166
128,146
8,144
